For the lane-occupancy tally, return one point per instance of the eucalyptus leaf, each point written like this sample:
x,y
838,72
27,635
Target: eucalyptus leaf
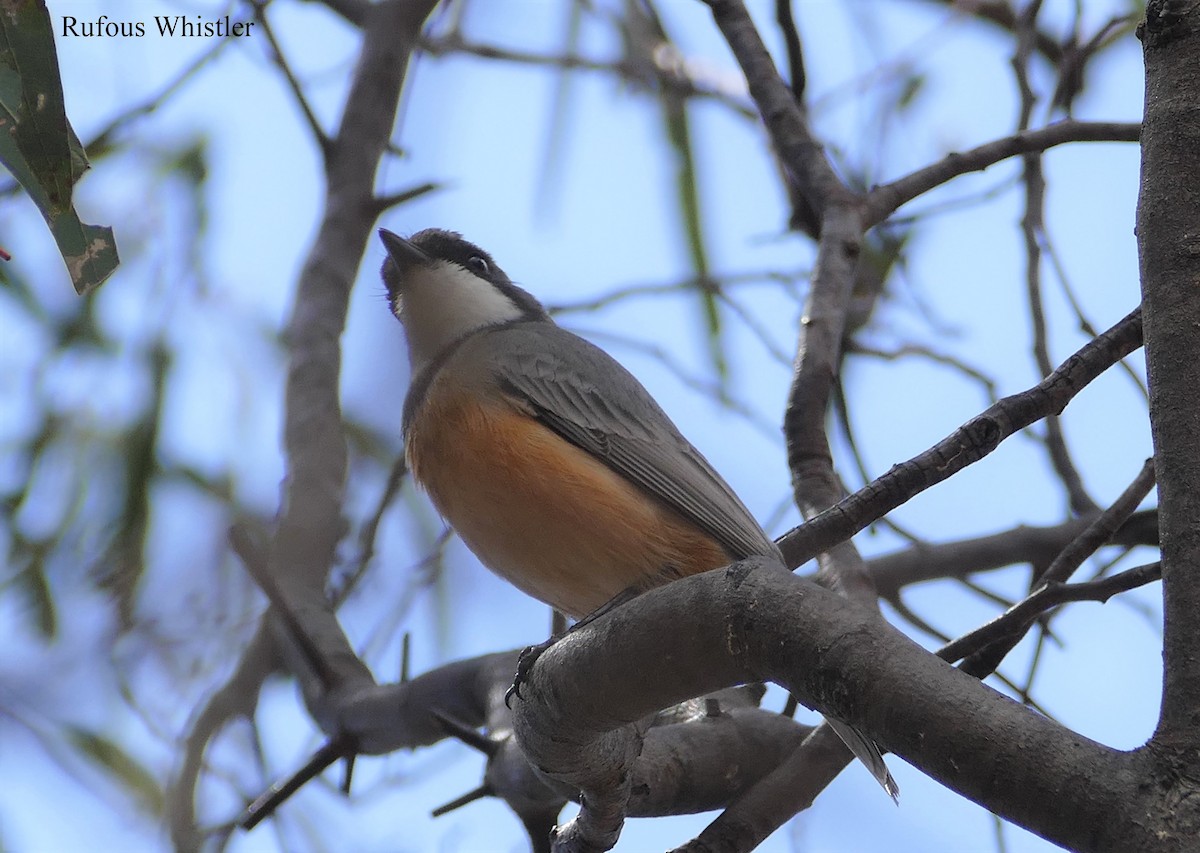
x,y
38,146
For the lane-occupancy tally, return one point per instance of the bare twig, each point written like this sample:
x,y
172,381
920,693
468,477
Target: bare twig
x,y
757,329
1003,14
883,200
923,351
797,79
265,805
319,134
717,283
366,538
983,659
676,75
1032,227
1100,531
966,445
799,150
382,204
1085,325
1017,619
1073,67
984,593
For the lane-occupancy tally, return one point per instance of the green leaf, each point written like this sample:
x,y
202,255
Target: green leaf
x,y
678,132
119,764
563,100
38,146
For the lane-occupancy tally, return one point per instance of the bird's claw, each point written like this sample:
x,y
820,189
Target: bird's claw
x,y
525,664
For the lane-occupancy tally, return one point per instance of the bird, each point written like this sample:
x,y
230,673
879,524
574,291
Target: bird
x,y
549,459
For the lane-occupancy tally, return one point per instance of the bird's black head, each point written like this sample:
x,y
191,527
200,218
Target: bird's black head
x,y
435,246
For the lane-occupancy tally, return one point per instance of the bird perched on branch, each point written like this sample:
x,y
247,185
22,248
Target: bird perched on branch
x,y
551,461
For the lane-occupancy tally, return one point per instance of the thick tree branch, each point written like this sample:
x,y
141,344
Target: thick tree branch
x,y
1169,250
815,484
795,784
839,245
310,523
753,621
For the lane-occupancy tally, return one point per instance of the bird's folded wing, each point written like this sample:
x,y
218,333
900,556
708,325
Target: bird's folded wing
x,y
582,394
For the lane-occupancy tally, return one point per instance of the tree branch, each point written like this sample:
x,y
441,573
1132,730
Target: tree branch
x,y
924,562
1033,229
883,201
1102,530
1008,628
676,76
753,621
966,445
1169,251
1003,14
989,655
803,156
310,523
815,484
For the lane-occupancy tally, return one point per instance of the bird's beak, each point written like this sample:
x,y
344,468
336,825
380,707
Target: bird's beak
x,y
403,253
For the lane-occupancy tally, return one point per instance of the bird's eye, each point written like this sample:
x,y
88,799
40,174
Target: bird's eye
x,y
478,264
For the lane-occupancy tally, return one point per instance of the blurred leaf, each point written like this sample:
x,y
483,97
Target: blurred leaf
x,y
680,135
17,286
38,146
912,85
131,774
189,163
882,252
563,100
218,488
367,441
647,36
125,564
80,329
35,585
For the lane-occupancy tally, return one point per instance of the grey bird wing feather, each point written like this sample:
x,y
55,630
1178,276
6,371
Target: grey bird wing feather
x,y
580,392
588,398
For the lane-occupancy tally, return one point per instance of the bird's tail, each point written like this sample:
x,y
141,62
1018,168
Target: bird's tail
x,y
868,753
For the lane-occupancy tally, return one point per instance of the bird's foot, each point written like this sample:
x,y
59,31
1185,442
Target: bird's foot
x,y
524,666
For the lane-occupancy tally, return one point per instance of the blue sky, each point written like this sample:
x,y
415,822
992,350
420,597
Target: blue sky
x,y
609,220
